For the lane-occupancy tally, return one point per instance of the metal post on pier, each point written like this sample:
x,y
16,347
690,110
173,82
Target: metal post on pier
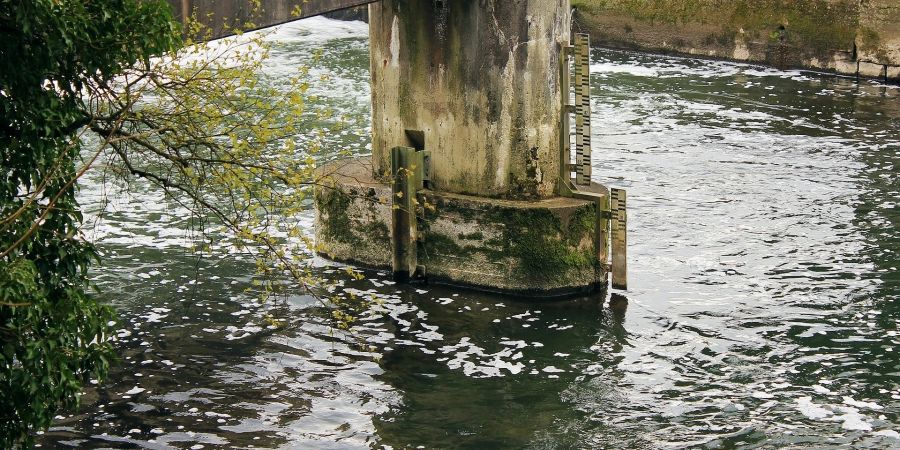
x,y
411,169
404,230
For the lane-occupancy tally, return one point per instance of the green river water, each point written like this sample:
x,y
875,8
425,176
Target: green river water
x,y
764,254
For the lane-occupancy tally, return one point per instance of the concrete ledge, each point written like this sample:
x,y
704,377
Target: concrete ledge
x,y
541,248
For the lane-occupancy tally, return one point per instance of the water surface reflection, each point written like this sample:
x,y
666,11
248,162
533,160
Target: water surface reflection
x,y
763,312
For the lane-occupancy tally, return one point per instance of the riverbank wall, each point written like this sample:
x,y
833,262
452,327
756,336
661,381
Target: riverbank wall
x,y
360,13
844,36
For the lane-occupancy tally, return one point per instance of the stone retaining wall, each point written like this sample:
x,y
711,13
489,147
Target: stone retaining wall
x,y
844,36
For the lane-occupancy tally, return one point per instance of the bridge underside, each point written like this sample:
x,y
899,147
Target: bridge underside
x,y
223,16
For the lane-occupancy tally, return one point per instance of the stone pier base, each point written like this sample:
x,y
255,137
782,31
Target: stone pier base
x,y
540,248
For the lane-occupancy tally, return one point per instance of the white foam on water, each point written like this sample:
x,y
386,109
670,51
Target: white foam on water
x,y
852,420
812,410
318,29
619,68
888,433
770,72
869,405
135,390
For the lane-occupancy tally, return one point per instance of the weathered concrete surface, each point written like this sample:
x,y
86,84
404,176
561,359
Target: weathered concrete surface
x,y
479,79
819,34
223,16
878,39
475,82
537,248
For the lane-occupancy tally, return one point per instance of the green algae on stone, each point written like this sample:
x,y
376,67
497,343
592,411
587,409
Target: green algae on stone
x,y
336,223
538,242
334,206
544,247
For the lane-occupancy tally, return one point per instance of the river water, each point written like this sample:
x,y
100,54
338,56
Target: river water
x,y
762,313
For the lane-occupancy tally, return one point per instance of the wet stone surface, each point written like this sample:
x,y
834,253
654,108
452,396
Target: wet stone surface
x,y
542,249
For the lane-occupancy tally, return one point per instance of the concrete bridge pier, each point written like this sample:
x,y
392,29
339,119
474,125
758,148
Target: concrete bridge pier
x,y
476,87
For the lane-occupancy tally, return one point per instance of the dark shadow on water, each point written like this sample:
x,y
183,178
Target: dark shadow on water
x,y
468,404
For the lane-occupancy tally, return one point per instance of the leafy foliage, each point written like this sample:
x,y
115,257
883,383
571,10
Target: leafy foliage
x,y
54,335
234,146
113,82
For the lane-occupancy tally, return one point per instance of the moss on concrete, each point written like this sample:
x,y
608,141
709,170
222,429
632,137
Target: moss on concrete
x,y
336,225
543,248
377,230
542,245
725,39
667,11
871,43
476,236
